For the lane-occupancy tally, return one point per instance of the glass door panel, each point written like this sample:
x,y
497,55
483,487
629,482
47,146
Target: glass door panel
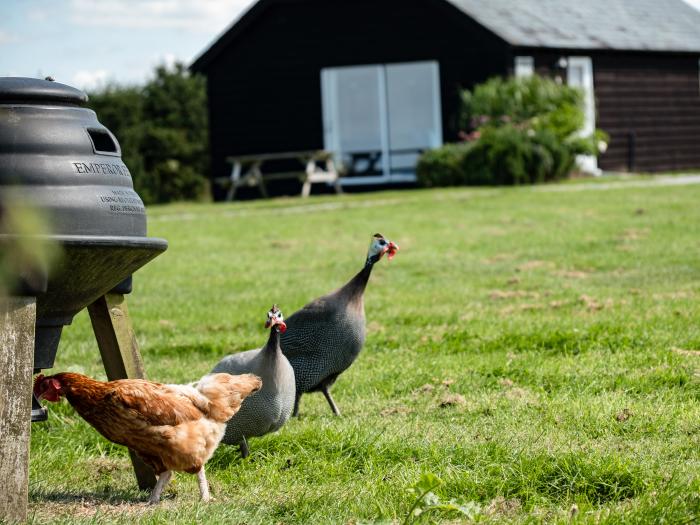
x,y
413,104
354,118
378,119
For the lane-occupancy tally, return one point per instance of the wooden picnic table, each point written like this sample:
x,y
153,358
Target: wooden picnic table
x,y
249,170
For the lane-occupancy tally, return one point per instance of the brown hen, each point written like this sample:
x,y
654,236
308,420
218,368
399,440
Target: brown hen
x,y
171,427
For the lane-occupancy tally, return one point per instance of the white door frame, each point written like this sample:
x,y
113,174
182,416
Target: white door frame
x,y
587,163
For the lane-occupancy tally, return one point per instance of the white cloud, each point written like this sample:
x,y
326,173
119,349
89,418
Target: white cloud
x,y
203,16
90,80
694,3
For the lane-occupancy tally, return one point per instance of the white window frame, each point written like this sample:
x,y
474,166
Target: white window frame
x,y
524,66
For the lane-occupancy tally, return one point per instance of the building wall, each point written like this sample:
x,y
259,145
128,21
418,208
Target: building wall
x,y
649,104
265,91
265,88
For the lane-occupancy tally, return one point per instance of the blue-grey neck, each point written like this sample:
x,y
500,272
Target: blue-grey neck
x,y
273,342
356,286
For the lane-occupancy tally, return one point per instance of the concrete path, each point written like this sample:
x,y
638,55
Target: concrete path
x,y
651,182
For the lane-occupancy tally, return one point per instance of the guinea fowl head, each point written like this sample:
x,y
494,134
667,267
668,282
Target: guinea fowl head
x,y
48,388
275,318
380,246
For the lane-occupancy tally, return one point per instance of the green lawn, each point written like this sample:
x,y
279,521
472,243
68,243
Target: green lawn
x,y
533,349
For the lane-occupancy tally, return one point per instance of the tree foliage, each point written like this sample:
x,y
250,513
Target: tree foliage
x,y
162,129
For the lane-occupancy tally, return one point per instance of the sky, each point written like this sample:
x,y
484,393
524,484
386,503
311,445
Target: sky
x,y
87,43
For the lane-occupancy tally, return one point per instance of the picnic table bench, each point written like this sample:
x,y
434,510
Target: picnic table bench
x,y
250,170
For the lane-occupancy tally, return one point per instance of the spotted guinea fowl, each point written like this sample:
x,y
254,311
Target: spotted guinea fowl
x,y
268,409
325,337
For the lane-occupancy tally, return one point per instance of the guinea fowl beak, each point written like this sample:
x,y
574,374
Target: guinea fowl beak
x,y
282,326
391,251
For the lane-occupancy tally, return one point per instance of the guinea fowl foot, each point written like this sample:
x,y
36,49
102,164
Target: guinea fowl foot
x,y
329,398
243,446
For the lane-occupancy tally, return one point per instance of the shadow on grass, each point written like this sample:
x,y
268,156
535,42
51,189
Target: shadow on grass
x,y
109,496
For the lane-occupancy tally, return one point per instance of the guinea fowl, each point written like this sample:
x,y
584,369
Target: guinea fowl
x,y
270,408
325,337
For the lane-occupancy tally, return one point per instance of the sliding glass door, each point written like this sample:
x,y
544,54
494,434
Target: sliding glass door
x,y
379,118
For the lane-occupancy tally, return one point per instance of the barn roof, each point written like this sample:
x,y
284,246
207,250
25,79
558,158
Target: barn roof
x,y
648,25
628,25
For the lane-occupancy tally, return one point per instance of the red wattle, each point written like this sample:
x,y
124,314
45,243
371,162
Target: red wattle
x,y
393,248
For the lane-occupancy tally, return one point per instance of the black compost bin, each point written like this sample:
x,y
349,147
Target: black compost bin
x,y
57,157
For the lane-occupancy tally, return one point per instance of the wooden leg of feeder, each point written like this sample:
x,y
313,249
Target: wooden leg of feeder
x,y
17,319
121,357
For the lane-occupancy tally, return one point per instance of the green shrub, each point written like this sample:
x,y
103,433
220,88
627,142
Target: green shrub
x,y
512,155
521,131
442,166
537,101
162,130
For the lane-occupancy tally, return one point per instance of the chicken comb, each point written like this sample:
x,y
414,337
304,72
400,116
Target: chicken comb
x,y
38,379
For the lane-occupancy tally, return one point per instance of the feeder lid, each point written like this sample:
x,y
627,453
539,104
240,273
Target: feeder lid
x,y
34,90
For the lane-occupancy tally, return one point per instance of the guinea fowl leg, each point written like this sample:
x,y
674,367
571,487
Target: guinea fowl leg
x,y
163,479
295,412
243,446
203,485
329,398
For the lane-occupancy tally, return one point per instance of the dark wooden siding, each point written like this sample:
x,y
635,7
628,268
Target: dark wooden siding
x,y
649,104
265,88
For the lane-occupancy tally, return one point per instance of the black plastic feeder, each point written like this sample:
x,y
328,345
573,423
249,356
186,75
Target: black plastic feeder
x,y
56,157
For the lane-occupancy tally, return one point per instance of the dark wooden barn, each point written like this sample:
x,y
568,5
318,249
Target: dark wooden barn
x,y
377,81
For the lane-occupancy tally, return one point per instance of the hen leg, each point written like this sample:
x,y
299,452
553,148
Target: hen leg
x,y
243,445
295,412
203,485
163,479
329,398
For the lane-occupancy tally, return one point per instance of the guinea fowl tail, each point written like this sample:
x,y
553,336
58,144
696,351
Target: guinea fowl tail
x,y
227,392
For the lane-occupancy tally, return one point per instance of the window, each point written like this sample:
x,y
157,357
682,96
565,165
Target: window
x,y
524,67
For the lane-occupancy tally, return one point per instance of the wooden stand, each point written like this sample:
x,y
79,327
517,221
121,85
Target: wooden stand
x,y
17,320
121,357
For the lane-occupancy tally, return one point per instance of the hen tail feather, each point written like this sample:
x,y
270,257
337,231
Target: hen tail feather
x,y
227,392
